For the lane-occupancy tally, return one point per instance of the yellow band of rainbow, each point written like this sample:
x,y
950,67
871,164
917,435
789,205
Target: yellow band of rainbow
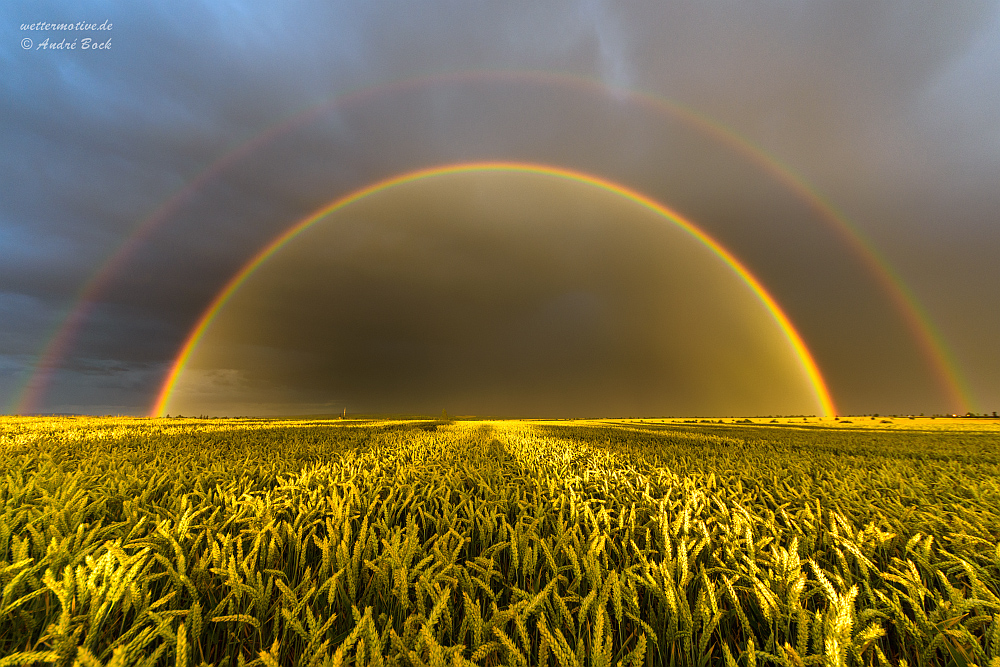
x,y
795,340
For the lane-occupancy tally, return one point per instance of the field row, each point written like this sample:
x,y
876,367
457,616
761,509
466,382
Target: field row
x,y
231,542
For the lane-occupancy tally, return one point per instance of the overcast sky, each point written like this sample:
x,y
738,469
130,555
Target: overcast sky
x,y
215,126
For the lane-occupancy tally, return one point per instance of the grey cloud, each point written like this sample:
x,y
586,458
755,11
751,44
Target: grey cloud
x,y
889,109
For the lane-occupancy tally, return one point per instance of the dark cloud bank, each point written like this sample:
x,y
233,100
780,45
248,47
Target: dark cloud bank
x,y
890,110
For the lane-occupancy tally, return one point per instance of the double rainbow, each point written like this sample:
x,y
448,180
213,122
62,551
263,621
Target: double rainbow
x,y
931,343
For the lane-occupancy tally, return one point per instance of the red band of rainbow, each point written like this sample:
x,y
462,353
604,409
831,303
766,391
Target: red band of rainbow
x,y
822,394
929,340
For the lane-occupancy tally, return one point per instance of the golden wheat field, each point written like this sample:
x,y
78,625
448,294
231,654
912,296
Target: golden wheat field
x,y
255,542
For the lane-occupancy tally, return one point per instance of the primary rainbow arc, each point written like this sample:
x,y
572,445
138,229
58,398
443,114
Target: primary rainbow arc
x,y
802,353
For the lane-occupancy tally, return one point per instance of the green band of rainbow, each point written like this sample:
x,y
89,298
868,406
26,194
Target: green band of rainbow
x,y
799,347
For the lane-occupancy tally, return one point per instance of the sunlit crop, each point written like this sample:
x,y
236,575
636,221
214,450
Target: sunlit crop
x,y
243,542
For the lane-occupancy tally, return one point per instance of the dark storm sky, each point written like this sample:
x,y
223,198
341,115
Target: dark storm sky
x,y
890,110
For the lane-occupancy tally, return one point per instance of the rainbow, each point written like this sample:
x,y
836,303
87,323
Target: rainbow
x,y
929,340
795,340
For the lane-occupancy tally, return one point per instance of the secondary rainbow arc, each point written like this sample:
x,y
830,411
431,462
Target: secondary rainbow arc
x,y
811,369
930,341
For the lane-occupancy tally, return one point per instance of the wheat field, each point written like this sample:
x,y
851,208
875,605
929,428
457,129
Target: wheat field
x,y
254,542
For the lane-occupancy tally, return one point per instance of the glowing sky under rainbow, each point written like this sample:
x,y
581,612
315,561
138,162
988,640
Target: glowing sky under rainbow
x,y
822,395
